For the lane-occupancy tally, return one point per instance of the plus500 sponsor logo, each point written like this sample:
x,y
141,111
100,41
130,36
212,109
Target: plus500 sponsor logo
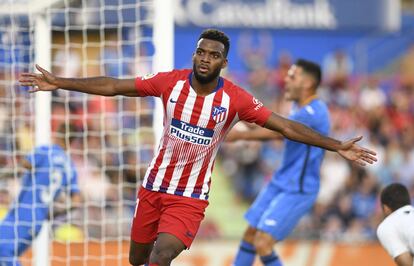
x,y
190,133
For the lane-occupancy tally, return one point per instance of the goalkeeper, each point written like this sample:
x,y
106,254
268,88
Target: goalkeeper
x,y
48,171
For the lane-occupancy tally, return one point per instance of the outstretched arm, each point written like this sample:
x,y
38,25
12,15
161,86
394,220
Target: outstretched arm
x,y
257,133
23,166
105,86
301,133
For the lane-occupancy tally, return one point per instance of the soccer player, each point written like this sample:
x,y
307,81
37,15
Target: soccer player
x,y
292,191
200,107
49,170
396,231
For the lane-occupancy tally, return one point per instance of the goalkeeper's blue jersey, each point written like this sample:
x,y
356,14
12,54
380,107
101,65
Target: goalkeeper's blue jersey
x,y
52,171
300,167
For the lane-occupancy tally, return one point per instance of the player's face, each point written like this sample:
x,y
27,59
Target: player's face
x,y
208,60
294,81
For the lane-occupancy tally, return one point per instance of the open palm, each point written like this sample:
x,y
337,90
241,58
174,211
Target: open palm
x,y
357,154
40,82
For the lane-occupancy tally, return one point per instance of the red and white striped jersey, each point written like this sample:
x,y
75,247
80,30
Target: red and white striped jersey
x,y
194,128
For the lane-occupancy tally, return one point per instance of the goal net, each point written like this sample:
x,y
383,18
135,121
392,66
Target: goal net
x,y
110,139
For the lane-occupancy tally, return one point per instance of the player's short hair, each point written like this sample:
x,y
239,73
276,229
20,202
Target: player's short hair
x,y
395,196
216,35
312,69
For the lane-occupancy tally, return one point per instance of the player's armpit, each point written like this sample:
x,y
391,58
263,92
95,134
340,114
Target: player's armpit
x,y
404,259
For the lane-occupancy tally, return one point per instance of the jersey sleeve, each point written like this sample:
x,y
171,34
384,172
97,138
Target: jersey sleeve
x,y
37,156
390,240
251,109
153,84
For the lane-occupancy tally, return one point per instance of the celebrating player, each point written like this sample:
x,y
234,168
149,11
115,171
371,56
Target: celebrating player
x,y
294,187
396,232
49,170
200,107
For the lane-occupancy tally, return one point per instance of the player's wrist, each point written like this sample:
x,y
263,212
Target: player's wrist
x,y
58,82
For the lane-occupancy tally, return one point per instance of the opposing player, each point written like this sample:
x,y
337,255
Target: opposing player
x,y
49,171
294,187
396,231
200,107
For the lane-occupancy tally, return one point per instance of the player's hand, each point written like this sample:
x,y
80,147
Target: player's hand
x,y
45,81
357,154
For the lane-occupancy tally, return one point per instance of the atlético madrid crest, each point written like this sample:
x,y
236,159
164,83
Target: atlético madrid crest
x,y
219,114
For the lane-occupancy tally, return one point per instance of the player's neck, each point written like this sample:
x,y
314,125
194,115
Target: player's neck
x,y
60,142
203,89
307,99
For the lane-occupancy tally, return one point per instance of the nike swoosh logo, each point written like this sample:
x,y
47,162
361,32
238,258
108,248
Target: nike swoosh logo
x,y
189,234
172,101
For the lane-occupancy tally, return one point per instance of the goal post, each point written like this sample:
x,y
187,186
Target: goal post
x,y
42,55
164,50
79,38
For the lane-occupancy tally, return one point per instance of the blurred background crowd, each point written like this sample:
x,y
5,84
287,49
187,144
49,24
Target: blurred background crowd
x,y
116,139
378,106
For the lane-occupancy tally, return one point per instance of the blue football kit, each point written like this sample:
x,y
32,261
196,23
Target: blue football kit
x,y
293,189
52,172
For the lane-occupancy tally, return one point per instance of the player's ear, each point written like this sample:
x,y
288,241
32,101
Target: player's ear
x,y
387,210
309,82
225,62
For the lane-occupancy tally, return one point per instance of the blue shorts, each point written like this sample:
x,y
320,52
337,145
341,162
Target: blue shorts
x,y
277,212
14,240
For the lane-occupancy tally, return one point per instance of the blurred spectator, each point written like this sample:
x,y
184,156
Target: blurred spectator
x,y
405,173
364,198
386,172
406,69
247,175
357,232
372,97
67,62
282,66
113,58
95,187
335,173
254,50
400,111
332,229
337,69
343,210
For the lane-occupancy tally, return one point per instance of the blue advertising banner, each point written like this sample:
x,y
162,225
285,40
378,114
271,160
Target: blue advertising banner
x,y
289,14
